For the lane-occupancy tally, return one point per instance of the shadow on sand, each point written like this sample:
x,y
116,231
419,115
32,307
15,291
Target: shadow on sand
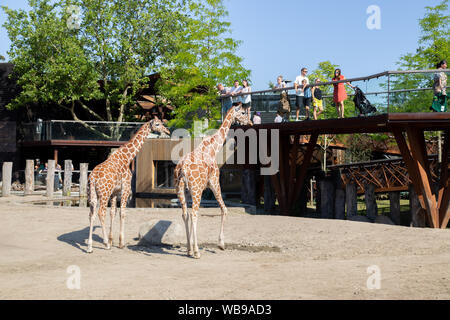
x,y
78,239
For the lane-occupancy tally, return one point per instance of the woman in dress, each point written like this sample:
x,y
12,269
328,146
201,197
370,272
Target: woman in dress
x,y
340,94
246,99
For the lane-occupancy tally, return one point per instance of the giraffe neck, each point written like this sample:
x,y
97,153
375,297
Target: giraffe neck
x,y
218,139
132,147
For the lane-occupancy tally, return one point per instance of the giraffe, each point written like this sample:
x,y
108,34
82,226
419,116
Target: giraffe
x,y
198,170
113,177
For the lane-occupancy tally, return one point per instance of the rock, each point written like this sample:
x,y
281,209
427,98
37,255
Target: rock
x,y
358,218
384,220
161,232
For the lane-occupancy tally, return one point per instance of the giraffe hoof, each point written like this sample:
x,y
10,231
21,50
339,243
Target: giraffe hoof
x,y
196,255
121,246
190,253
89,250
221,246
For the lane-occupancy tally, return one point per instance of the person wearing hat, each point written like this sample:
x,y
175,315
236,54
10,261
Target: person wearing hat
x,y
257,118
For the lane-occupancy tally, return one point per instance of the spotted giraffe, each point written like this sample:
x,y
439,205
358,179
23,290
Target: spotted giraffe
x,y
198,170
113,177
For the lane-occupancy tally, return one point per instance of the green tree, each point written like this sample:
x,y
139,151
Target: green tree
x,y
434,46
205,56
116,42
2,58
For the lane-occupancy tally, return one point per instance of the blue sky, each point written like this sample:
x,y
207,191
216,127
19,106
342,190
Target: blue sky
x,y
279,37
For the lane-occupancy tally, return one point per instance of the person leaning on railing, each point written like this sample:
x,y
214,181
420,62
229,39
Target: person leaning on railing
x,y
439,87
339,94
224,93
246,99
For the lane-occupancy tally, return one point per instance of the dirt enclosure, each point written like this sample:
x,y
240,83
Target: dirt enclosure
x,y
268,257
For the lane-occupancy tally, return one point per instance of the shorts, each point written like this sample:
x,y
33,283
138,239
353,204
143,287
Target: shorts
x,y
307,102
317,103
246,105
299,101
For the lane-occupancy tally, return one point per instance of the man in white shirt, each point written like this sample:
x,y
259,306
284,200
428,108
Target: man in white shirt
x,y
300,99
236,90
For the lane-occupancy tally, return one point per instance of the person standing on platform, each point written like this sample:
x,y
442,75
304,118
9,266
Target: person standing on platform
x,y
317,100
307,96
300,97
246,99
224,94
340,94
440,89
237,100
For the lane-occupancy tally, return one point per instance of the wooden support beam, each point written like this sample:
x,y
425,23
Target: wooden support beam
x,y
303,168
419,153
284,166
444,184
293,167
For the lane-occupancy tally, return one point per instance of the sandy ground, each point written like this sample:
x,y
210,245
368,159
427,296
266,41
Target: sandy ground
x,y
268,257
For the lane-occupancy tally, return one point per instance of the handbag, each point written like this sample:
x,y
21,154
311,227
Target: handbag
x,y
439,102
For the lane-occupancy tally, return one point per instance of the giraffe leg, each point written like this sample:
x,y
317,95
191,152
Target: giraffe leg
x,y
112,213
182,198
102,216
196,198
92,213
126,191
214,185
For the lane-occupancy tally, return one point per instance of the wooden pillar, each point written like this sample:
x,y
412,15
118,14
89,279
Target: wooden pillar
x,y
269,195
67,178
29,177
83,179
371,202
418,214
6,178
327,198
351,200
339,204
394,201
50,180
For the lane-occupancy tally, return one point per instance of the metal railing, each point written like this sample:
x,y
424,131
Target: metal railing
x,y
388,91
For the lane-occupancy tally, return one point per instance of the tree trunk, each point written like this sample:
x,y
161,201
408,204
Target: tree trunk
x,y
339,207
327,199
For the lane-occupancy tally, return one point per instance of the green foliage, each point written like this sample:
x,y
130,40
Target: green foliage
x,y
2,58
434,46
204,57
117,42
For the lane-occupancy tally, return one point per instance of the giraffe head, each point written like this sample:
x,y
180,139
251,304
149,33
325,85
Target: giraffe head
x,y
240,115
158,126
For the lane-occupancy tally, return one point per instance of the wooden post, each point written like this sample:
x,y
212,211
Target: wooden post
x,y
327,199
351,200
83,179
29,177
418,214
394,201
67,177
50,180
371,202
6,177
269,195
339,204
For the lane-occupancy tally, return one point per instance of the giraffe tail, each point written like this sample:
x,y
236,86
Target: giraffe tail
x,y
91,192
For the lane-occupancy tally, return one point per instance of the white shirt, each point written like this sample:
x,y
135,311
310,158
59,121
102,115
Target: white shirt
x,y
246,98
256,119
299,81
278,119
